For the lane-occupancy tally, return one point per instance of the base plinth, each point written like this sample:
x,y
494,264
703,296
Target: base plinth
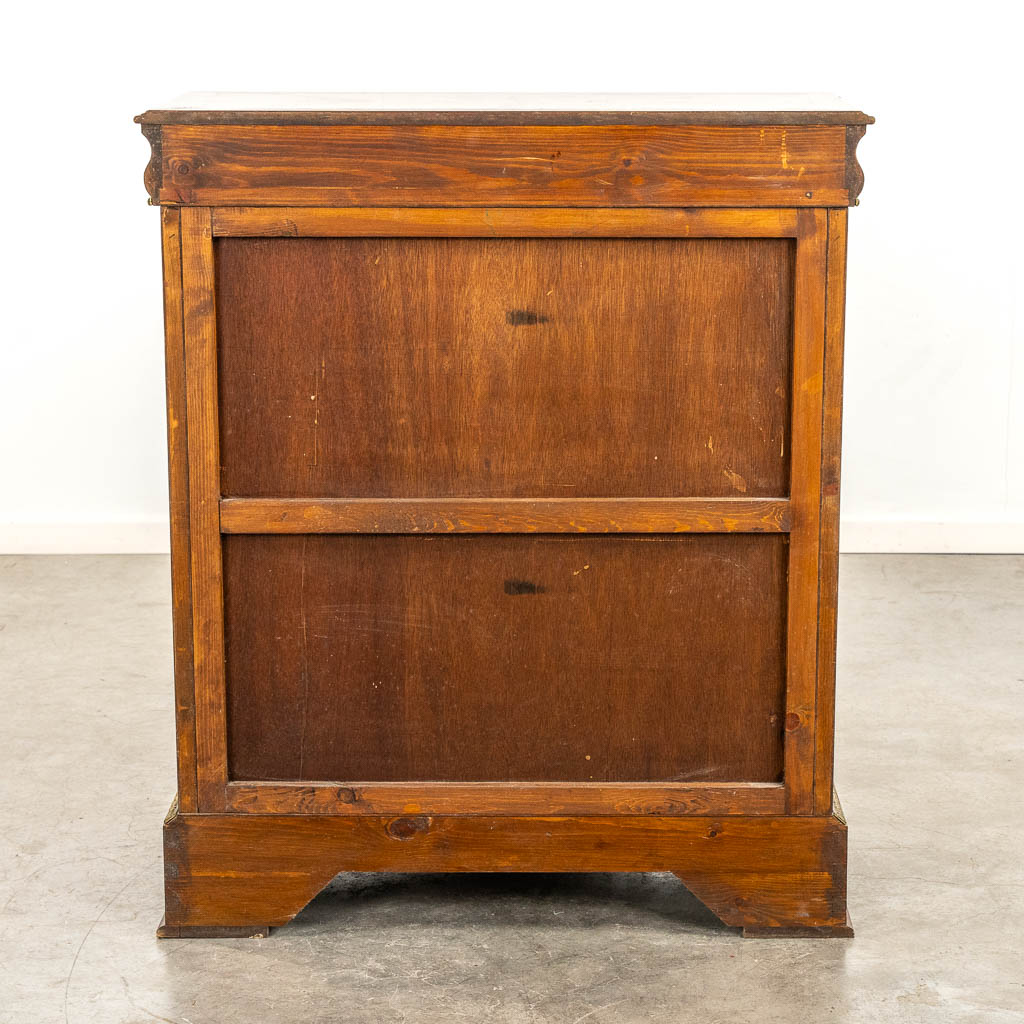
x,y
237,875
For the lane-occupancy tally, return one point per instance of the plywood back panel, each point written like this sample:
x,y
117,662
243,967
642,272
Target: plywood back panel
x,y
502,658
504,367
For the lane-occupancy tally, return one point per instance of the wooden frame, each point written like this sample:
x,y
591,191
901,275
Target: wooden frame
x,y
769,857
798,515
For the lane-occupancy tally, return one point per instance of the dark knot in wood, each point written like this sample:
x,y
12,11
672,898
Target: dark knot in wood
x,y
407,828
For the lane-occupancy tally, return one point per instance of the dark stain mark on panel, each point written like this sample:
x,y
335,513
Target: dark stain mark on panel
x,y
515,587
519,317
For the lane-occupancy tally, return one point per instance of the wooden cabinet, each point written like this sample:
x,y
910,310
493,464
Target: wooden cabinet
x,y
504,459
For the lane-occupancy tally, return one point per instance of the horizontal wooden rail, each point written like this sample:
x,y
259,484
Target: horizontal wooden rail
x,y
504,223
667,166
465,798
504,515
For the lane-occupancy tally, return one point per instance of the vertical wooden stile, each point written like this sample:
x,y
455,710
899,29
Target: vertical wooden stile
x,y
177,463
805,489
204,499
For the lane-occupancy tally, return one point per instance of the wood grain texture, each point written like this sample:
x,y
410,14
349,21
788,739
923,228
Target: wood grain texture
x,y
204,505
564,165
505,515
177,470
506,367
828,549
805,488
505,658
500,222
258,870
506,798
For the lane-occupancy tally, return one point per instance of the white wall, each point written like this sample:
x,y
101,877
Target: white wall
x,y
934,433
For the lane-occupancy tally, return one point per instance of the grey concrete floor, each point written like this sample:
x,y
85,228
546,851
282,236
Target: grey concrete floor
x,y
929,766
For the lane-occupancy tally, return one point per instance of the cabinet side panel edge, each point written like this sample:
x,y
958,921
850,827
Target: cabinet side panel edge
x,y
828,556
177,460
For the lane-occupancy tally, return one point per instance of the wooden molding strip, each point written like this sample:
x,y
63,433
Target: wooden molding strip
x,y
471,222
504,515
463,798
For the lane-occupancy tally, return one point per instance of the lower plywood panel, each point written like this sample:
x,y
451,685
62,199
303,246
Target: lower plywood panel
x,y
505,658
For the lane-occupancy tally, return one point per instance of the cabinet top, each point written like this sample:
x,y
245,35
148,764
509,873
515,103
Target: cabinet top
x,y
503,108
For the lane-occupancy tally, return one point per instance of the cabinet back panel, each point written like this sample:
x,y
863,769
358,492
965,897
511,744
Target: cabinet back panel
x,y
505,367
505,658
